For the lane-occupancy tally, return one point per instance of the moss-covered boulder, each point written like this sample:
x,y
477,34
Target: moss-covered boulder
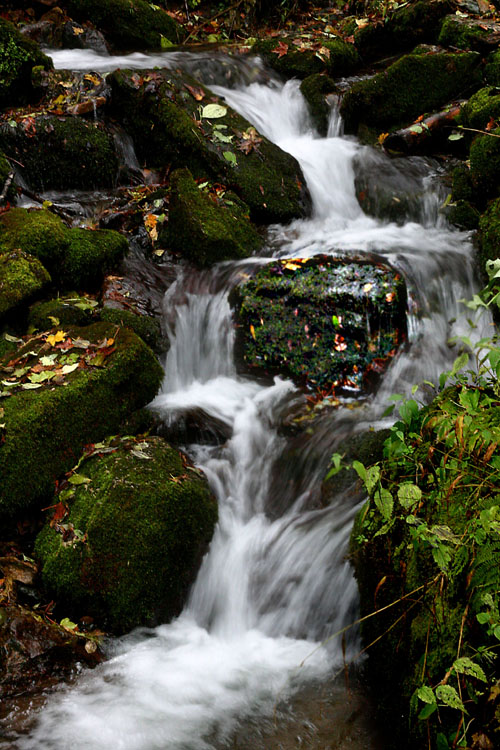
x,y
62,391
176,121
485,165
481,107
323,322
425,549
22,277
18,57
133,537
462,187
128,24
205,229
76,258
316,90
298,58
58,153
463,215
467,33
67,310
412,86
492,69
148,328
401,29
489,235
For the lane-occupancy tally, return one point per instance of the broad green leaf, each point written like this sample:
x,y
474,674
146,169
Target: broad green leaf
x,y
464,665
213,111
360,470
449,697
78,479
384,502
69,368
372,478
230,157
442,557
409,495
427,711
66,623
459,363
426,694
222,137
455,136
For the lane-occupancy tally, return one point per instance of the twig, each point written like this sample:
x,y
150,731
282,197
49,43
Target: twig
x,y
55,209
483,132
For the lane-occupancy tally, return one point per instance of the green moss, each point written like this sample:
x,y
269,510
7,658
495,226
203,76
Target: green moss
x,y
492,69
293,59
60,153
485,165
147,328
463,215
128,24
315,89
147,523
164,121
22,277
204,231
18,56
70,310
343,58
76,258
47,428
462,187
463,33
481,107
308,319
489,235
413,85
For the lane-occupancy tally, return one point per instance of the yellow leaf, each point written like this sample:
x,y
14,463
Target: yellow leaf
x,y
54,338
291,266
367,287
252,331
77,30
382,137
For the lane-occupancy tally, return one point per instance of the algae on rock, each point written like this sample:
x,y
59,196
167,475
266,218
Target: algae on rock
x,y
133,538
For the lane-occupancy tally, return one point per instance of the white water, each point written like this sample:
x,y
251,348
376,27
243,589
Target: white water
x,y
270,589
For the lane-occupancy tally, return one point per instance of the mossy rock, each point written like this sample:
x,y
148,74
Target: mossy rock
x,y
492,69
463,215
47,423
294,59
466,33
203,231
412,86
60,153
462,188
76,258
128,24
489,235
481,107
485,165
426,570
140,527
18,57
307,319
146,327
316,89
163,118
22,277
69,310
402,29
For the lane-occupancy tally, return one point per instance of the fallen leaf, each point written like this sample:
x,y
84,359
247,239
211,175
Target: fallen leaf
x,y
213,111
281,49
54,338
196,92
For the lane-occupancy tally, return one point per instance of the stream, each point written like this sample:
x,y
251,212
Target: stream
x,y
250,655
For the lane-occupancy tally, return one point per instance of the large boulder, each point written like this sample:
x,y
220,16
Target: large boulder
x,y
61,391
176,121
412,86
483,106
76,258
477,34
133,535
485,165
60,153
317,90
325,323
128,24
18,57
298,58
203,227
22,277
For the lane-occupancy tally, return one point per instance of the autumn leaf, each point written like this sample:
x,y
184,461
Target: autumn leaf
x,y
281,49
55,338
150,221
252,331
196,92
250,141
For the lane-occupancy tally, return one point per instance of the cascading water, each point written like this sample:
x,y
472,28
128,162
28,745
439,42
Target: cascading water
x,y
273,584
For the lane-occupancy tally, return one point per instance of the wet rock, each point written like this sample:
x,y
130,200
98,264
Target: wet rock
x,y
485,165
76,258
5,172
463,215
94,377
477,34
59,153
298,58
325,323
204,227
18,57
35,653
68,310
483,106
318,91
185,427
55,29
415,84
172,120
144,519
128,24
22,277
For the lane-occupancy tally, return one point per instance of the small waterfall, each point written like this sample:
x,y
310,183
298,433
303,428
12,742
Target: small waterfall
x,y
273,585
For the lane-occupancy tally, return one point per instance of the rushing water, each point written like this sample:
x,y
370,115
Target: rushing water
x,y
275,583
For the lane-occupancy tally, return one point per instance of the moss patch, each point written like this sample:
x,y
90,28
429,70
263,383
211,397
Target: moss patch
x,y
308,319
465,33
413,85
206,231
295,58
133,538
47,425
128,24
481,107
22,277
18,57
315,89
464,215
485,165
147,328
489,234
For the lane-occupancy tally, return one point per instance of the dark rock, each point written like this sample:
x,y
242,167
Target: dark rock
x,y
477,34
317,90
18,57
485,165
483,106
296,58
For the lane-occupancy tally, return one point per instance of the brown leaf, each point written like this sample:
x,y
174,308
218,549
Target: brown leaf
x,y
196,92
281,49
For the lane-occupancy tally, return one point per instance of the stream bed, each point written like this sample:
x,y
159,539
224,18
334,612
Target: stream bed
x,y
250,663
